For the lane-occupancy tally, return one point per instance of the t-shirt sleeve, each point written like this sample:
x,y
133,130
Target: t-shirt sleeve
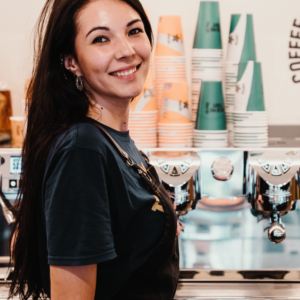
x,y
78,222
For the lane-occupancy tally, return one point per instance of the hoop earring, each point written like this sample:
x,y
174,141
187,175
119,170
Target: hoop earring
x,y
79,83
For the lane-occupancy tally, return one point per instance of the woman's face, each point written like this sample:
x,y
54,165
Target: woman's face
x,y
113,49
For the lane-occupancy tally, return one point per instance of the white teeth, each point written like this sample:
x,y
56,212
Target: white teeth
x,y
125,73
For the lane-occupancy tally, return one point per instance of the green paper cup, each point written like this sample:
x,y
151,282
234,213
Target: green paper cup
x,y
208,32
249,89
211,112
241,45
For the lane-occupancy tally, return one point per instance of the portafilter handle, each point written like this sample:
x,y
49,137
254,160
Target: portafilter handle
x,y
6,206
276,229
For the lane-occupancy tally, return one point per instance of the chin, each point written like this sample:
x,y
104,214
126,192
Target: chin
x,y
132,93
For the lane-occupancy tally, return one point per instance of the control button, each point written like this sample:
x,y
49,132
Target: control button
x,y
261,160
161,161
288,160
165,168
267,168
183,168
175,172
13,184
2,160
188,161
276,171
222,169
285,168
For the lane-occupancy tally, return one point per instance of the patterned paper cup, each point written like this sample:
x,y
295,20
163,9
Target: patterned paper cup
x,y
143,113
146,146
175,135
143,134
175,103
210,131
241,45
146,138
174,141
208,33
177,126
211,114
142,120
249,89
212,143
146,100
165,71
211,138
171,131
169,37
213,146
188,145
141,126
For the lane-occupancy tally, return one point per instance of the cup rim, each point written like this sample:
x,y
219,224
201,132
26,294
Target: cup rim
x,y
17,118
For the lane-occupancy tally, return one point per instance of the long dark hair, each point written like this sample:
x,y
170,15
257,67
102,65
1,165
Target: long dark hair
x,y
54,104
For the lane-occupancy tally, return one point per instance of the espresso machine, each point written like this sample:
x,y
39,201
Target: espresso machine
x,y
234,203
239,207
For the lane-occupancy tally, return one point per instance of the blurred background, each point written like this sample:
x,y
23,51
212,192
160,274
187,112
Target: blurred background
x,y
273,26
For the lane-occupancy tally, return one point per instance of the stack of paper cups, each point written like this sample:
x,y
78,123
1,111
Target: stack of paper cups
x,y
174,126
211,121
241,48
169,55
250,117
143,116
207,53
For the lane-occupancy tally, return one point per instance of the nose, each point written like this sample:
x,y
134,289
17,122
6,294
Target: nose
x,y
125,49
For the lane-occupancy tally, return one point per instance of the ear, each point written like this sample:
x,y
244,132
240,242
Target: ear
x,y
71,65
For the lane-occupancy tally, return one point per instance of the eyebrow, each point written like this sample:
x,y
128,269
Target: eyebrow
x,y
107,29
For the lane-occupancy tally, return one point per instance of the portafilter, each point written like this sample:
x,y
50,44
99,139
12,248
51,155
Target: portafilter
x,y
273,188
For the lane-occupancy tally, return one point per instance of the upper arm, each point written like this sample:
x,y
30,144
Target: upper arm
x,y
73,283
77,214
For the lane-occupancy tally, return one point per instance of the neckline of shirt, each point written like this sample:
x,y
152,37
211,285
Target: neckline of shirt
x,y
123,135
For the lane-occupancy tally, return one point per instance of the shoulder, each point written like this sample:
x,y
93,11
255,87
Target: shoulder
x,y
80,136
88,136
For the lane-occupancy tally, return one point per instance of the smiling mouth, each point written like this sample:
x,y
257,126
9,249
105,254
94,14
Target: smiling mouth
x,y
128,72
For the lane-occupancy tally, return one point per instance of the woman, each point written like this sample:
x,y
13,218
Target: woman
x,y
92,222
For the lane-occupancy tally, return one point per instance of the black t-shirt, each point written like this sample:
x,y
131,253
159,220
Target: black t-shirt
x,y
95,209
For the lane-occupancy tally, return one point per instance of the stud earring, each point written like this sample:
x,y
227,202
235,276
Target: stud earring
x,y
63,66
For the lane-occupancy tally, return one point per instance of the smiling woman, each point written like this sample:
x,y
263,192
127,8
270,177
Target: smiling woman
x,y
88,198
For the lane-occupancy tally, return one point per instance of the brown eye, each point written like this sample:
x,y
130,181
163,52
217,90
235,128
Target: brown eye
x,y
100,39
135,31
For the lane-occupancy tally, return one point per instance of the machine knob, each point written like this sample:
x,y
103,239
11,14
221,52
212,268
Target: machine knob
x,y
288,160
276,233
267,168
284,168
222,169
261,160
165,168
276,171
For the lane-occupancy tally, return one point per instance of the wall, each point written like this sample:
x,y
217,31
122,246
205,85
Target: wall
x,y
17,19
273,23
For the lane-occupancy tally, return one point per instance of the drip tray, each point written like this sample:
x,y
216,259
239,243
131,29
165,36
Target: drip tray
x,y
243,284
237,290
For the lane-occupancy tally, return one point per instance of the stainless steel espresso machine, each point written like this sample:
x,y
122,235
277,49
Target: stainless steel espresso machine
x,y
242,226
239,207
